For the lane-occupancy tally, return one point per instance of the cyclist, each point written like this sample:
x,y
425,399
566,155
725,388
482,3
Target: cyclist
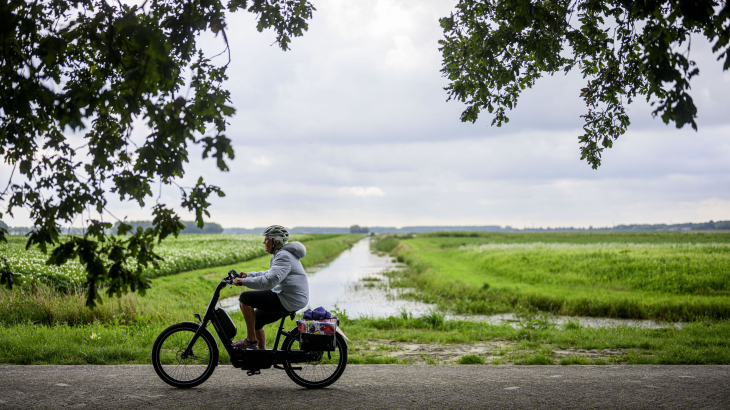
x,y
283,288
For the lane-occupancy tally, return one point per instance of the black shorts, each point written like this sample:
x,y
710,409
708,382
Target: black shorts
x,y
266,304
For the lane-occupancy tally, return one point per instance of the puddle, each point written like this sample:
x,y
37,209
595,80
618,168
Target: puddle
x,y
593,322
495,352
592,353
355,282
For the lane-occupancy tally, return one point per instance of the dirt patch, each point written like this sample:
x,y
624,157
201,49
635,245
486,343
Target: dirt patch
x,y
431,353
494,352
593,353
211,275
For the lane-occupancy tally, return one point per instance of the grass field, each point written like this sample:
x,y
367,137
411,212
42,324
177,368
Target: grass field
x,y
665,276
670,275
391,340
38,326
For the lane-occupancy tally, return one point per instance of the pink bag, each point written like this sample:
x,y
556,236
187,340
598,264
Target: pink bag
x,y
317,334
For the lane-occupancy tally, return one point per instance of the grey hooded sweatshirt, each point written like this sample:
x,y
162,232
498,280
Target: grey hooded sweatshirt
x,y
285,277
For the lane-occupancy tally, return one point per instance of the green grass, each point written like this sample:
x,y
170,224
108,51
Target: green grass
x,y
667,276
60,332
575,360
453,239
534,359
471,359
698,343
171,297
695,343
385,243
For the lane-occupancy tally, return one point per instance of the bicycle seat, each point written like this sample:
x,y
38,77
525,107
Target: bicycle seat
x,y
290,314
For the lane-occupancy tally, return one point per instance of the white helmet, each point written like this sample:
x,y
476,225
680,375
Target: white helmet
x,y
277,232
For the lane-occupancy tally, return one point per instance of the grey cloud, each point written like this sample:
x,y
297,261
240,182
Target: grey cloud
x,y
357,109
368,72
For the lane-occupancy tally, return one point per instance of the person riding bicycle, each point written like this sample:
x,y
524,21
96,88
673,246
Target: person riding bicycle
x,y
281,289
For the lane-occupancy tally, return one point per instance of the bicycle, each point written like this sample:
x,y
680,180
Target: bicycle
x,y
186,354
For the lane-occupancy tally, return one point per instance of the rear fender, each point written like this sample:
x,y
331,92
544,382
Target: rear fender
x,y
343,341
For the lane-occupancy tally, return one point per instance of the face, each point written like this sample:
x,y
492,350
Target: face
x,y
268,244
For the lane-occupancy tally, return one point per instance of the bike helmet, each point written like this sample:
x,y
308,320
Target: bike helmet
x,y
277,232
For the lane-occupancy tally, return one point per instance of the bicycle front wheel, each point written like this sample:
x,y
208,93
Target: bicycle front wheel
x,y
324,370
180,370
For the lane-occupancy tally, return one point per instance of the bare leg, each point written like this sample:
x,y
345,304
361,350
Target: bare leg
x,y
261,337
250,319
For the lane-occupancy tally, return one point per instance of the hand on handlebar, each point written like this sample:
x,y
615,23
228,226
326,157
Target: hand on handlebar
x,y
239,280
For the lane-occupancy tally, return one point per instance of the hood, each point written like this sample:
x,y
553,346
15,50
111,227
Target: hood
x,y
296,249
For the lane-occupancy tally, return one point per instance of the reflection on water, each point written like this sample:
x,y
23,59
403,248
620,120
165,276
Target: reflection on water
x,y
593,322
355,282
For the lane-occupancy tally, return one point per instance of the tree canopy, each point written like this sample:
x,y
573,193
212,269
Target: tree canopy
x,y
75,75
494,49
359,229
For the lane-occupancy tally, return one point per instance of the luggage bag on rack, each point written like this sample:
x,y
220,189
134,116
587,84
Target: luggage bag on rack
x,y
319,335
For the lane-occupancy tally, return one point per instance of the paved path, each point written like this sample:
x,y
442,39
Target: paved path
x,y
375,387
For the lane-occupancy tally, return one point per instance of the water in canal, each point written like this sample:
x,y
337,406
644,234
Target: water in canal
x,y
355,282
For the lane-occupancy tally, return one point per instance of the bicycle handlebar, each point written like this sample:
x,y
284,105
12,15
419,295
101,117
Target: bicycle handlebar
x,y
232,274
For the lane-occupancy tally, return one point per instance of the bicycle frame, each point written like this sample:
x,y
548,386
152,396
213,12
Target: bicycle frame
x,y
249,358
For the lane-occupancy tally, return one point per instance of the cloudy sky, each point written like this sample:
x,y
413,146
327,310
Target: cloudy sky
x,y
352,127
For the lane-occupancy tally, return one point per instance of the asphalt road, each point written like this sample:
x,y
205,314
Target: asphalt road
x,y
375,387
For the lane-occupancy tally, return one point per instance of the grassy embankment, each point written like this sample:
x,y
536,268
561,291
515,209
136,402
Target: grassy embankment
x,y
38,325
664,276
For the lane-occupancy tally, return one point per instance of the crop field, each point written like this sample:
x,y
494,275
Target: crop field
x,y
45,304
184,253
664,276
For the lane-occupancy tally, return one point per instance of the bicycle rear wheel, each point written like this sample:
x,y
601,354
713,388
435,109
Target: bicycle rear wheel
x,y
182,371
321,372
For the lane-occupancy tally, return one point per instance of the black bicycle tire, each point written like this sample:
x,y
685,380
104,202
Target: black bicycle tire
x,y
341,346
212,362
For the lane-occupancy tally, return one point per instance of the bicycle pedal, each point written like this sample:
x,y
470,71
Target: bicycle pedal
x,y
252,372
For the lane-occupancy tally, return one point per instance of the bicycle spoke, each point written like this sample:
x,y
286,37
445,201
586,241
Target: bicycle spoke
x,y
172,358
318,371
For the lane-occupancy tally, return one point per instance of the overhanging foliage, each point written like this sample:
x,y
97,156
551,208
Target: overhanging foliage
x,y
494,49
93,68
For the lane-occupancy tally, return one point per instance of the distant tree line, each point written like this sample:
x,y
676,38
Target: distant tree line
x,y
211,228
704,226
190,227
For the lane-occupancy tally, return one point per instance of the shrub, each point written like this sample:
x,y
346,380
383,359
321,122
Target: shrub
x,y
471,359
539,359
